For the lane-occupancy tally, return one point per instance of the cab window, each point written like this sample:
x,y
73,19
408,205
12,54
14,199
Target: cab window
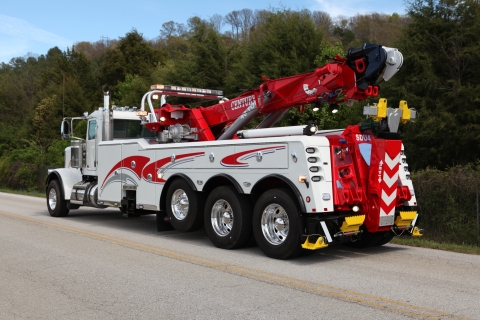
x,y
130,129
92,129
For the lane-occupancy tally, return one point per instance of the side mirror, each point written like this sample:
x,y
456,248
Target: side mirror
x,y
65,130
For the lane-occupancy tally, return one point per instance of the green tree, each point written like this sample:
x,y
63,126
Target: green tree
x,y
441,48
130,91
132,55
282,43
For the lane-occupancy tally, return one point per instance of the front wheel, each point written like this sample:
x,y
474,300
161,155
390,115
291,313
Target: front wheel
x,y
184,206
57,206
277,225
228,220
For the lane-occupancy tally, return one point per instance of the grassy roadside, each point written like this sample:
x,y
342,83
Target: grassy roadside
x,y
425,243
24,192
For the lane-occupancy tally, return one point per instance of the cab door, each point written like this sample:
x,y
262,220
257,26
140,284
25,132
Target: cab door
x,y
91,146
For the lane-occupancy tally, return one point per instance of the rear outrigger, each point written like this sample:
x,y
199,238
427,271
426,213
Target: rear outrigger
x,y
291,188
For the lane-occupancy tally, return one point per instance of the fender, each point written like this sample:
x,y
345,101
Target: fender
x,y
68,177
229,178
292,187
184,177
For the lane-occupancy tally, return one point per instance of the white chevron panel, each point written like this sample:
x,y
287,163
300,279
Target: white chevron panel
x,y
390,181
387,199
383,213
391,162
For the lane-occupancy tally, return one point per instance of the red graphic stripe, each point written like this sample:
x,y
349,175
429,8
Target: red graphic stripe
x,y
232,160
140,162
152,167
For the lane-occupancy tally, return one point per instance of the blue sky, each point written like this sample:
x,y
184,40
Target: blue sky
x,y
33,27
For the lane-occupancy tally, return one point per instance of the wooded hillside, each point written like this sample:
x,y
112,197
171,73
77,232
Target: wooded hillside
x,y
440,76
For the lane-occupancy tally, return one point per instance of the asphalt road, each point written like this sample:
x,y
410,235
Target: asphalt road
x,y
98,264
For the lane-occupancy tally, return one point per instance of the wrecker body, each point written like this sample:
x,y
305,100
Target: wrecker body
x,y
289,189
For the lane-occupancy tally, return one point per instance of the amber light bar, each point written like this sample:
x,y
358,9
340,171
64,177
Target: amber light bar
x,y
187,90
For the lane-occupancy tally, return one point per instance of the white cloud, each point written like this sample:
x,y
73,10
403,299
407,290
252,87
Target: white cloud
x,y
335,8
10,46
350,8
21,29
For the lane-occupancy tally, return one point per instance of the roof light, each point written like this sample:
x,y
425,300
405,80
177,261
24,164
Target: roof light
x,y
142,113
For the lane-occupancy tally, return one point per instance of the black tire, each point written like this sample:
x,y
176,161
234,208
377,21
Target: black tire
x,y
187,212
228,218
277,225
56,204
386,238
163,224
366,239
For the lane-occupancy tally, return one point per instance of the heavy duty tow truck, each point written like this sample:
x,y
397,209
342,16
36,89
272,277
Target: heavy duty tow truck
x,y
290,189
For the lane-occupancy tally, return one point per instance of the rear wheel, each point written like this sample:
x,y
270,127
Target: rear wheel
x,y
228,220
366,239
386,238
163,223
184,206
276,224
57,206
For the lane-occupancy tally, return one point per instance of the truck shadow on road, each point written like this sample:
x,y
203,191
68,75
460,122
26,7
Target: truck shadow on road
x,y
146,225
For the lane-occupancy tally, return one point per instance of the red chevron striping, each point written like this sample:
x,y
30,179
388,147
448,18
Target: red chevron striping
x,y
389,193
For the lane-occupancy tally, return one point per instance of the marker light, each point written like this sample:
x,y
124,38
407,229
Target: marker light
x,y
162,119
316,178
310,150
302,178
355,208
314,169
312,159
141,113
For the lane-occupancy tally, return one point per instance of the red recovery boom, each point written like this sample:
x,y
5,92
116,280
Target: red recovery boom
x,y
351,78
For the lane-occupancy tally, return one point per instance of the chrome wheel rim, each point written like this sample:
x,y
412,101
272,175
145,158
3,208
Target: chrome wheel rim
x,y
52,198
179,204
222,218
275,224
